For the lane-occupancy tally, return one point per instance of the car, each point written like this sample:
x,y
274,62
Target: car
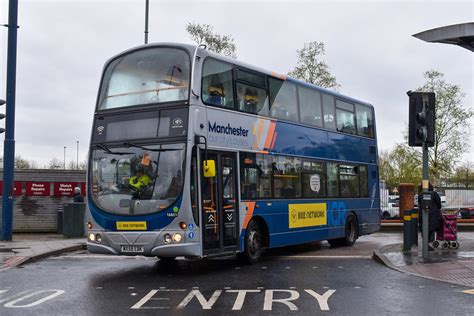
x,y
467,212
390,209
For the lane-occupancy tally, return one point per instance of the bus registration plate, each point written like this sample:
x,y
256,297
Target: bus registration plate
x,y
132,249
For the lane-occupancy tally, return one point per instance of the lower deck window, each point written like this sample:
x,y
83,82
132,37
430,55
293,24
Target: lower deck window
x,y
266,176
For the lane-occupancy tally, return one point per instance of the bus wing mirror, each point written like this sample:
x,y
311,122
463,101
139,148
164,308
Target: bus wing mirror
x,y
209,168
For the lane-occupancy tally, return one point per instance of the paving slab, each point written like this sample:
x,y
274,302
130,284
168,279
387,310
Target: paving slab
x,y
452,266
26,248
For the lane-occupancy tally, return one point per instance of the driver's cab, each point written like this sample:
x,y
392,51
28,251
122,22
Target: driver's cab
x,y
134,180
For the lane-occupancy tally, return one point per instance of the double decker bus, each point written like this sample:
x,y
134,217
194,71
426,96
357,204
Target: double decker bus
x,y
194,154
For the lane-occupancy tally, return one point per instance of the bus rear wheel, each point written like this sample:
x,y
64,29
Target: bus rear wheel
x,y
351,232
253,243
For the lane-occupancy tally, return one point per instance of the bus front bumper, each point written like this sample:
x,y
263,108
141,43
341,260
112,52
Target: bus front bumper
x,y
149,243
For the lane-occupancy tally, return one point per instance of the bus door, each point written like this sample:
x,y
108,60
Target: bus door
x,y
219,204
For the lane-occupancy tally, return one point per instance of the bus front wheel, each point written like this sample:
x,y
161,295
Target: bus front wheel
x,y
351,233
253,243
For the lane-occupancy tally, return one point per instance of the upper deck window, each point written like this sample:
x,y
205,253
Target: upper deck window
x,y
328,111
365,122
310,107
345,117
283,100
153,75
217,84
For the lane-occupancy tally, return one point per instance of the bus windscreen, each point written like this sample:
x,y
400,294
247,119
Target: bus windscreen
x,y
147,76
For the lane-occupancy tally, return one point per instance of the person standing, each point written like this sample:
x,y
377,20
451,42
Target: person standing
x,y
78,198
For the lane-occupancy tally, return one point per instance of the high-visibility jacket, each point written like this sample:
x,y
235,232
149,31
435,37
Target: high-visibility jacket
x,y
139,182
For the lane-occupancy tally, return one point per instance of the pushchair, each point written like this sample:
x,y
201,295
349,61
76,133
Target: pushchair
x,y
447,233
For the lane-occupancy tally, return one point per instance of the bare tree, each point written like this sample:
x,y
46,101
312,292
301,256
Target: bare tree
x,y
21,163
55,163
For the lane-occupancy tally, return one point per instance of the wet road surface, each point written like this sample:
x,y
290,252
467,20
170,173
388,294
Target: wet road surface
x,y
290,280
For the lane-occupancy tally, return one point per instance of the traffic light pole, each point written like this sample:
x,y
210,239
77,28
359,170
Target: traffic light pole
x,y
425,188
9,143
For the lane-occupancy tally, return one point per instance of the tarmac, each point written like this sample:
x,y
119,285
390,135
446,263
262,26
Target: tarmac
x,y
452,266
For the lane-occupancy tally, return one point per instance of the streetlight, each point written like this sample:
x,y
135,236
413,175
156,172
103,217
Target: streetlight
x,y
77,155
64,162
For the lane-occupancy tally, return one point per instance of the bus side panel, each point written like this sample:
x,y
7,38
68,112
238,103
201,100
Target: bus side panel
x,y
320,144
279,214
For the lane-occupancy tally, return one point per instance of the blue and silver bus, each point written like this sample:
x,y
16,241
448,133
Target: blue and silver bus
x,y
194,154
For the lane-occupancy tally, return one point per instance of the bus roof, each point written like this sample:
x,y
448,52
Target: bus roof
x,y
205,53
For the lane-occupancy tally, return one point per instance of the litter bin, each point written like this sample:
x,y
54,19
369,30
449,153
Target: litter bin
x,y
73,220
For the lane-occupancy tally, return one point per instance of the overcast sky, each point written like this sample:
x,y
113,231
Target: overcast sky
x,y
62,46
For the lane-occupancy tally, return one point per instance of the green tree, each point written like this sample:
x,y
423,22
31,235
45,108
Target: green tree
x,y
399,165
463,175
203,34
311,68
452,125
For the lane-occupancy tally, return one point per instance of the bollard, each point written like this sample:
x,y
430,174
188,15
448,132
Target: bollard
x,y
406,206
414,224
407,232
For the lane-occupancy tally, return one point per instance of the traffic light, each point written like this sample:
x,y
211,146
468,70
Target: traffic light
x,y
2,116
421,123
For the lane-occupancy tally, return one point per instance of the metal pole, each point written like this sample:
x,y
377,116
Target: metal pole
x,y
147,5
425,212
64,161
9,142
77,155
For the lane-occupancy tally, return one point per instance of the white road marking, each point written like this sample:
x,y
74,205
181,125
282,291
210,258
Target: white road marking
x,y
14,296
145,299
205,304
320,257
322,299
239,301
13,304
268,303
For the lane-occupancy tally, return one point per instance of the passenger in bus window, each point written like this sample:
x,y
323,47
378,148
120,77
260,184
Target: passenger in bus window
x,y
216,94
250,101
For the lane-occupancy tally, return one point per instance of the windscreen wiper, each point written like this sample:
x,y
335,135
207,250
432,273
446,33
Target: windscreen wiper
x,y
107,150
150,149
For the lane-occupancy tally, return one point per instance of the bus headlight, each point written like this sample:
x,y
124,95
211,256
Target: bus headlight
x,y
98,238
91,237
167,238
177,237
89,225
